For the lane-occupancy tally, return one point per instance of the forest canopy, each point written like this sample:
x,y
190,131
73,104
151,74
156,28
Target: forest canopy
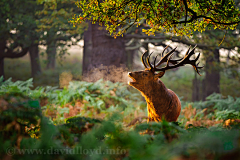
x,y
178,17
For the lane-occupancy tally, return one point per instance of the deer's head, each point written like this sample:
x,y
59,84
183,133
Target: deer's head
x,y
142,79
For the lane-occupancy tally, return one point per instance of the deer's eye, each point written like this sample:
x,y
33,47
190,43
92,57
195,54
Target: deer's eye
x,y
145,74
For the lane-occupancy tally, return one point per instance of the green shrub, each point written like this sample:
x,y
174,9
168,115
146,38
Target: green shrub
x,y
27,132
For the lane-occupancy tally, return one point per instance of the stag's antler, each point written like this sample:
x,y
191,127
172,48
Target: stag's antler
x,y
177,63
162,60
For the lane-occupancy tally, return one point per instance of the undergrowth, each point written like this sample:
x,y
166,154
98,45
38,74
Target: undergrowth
x,y
105,120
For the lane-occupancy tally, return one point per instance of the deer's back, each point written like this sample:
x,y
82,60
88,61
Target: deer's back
x,y
174,107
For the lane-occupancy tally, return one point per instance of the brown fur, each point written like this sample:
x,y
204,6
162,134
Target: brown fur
x,y
161,102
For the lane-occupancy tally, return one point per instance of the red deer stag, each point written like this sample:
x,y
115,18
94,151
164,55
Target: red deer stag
x,y
160,100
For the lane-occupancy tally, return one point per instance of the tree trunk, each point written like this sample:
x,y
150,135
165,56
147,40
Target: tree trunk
x,y
87,50
102,50
2,68
212,79
35,62
51,55
195,89
2,48
130,56
145,45
106,50
131,52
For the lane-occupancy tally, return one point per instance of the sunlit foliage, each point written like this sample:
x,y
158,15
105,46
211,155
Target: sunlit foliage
x,y
179,17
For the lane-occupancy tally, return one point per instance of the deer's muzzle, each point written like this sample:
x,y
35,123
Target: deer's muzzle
x,y
130,74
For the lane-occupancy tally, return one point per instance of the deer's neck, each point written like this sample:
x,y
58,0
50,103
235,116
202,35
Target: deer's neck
x,y
155,90
158,98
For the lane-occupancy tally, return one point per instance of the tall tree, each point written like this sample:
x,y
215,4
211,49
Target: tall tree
x,y
58,32
18,32
34,38
179,17
34,59
212,80
102,49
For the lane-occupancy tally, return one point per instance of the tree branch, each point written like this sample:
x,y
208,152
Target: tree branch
x,y
11,54
176,39
195,17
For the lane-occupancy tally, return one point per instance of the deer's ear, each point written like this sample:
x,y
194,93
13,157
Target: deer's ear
x,y
160,74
